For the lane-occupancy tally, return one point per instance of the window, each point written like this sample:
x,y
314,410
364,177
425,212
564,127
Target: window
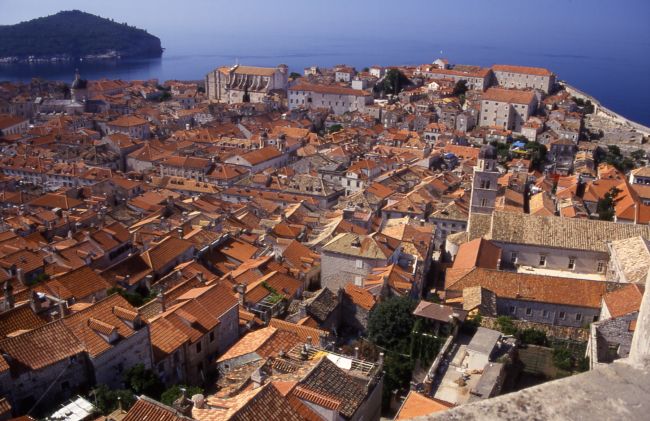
x,y
578,317
529,311
358,281
542,260
572,263
513,257
359,264
601,267
562,315
545,313
211,336
198,347
513,309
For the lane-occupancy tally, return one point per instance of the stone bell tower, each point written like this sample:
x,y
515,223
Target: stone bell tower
x,y
485,183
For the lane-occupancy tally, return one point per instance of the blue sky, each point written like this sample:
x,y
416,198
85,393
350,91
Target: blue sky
x,y
489,20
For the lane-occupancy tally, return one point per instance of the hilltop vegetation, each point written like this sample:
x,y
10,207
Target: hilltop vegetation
x,y
75,34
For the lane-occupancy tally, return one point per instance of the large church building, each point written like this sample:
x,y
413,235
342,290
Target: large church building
x,y
245,83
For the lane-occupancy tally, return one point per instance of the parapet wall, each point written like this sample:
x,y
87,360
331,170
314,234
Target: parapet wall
x,y
602,111
558,332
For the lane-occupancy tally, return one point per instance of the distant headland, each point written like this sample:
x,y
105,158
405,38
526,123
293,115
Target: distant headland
x,y
72,35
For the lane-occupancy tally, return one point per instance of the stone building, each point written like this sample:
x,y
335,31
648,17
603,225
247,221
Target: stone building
x,y
477,78
53,362
522,77
191,332
536,298
507,108
564,246
485,181
337,98
349,258
238,84
135,127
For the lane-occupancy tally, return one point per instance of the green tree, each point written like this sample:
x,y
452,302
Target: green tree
x,y
294,75
562,359
393,83
398,371
606,207
134,298
170,395
638,155
143,381
460,88
391,322
334,128
537,153
107,400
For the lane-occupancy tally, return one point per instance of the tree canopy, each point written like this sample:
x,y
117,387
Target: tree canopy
x,y
391,322
75,34
393,82
606,206
170,395
143,381
460,88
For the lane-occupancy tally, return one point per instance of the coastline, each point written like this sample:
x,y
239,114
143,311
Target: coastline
x,y
601,111
66,58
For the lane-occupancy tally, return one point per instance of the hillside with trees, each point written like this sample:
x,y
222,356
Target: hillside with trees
x,y
75,34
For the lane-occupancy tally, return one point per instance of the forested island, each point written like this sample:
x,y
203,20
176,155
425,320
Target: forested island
x,y
74,34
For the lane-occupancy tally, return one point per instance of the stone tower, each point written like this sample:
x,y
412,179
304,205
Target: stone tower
x,y
485,183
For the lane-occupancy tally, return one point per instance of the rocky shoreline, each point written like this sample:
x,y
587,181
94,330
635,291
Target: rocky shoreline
x,y
61,58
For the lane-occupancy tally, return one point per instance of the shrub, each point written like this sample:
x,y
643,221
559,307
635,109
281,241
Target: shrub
x,y
506,326
533,337
170,395
562,359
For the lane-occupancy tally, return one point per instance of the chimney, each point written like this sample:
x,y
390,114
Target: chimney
x,y
302,310
380,361
356,352
20,275
8,296
62,308
241,289
35,302
199,401
161,299
147,280
183,404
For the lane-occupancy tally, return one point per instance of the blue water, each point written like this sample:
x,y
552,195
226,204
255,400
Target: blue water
x,y
606,52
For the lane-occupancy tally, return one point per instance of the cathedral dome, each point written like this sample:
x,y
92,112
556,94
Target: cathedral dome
x,y
78,82
487,152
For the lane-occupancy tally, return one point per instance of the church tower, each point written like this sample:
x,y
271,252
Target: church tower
x,y
485,183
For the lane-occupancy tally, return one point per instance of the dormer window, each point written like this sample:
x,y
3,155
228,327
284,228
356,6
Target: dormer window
x,y
107,331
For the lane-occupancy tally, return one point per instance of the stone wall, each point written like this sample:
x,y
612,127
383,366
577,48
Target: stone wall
x,y
559,332
600,110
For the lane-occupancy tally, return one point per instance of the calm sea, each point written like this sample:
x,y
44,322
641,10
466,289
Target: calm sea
x,y
619,77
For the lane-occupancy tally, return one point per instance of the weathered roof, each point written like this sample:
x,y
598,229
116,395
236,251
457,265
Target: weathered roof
x,y
508,95
508,68
356,245
439,312
552,231
539,288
